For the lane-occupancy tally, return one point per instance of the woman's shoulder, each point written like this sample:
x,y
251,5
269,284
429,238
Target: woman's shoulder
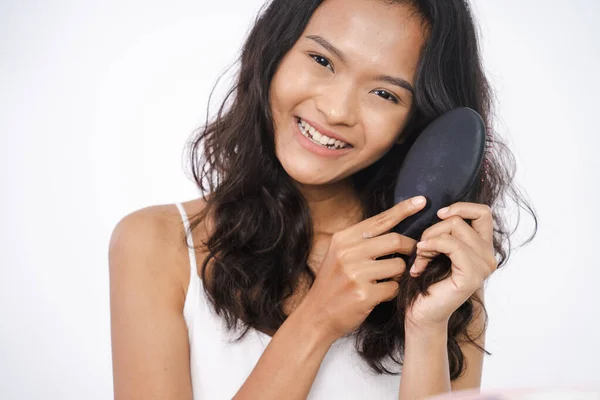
x,y
151,242
149,272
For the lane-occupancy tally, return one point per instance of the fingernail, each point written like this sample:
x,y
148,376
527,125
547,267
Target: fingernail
x,y
443,210
417,201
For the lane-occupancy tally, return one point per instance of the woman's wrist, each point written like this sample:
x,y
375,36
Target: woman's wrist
x,y
432,329
306,319
425,371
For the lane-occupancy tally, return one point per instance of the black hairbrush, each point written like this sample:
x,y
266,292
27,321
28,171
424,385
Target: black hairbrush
x,y
441,165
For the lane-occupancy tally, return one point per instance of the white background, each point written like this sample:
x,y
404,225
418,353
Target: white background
x,y
97,101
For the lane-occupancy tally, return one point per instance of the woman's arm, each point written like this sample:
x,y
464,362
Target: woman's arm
x,y
149,338
426,368
425,371
288,367
471,378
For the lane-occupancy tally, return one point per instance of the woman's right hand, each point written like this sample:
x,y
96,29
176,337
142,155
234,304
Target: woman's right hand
x,y
345,289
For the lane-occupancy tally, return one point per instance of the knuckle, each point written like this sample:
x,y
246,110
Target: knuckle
x,y
456,220
400,265
396,239
361,296
381,219
486,209
427,235
351,275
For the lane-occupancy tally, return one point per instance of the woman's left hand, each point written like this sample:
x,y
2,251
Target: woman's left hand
x,y
471,250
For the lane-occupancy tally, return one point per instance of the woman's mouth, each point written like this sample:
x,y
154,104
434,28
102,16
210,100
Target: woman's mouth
x,y
316,137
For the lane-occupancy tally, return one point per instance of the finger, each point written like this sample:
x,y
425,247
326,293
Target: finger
x,y
383,245
388,219
458,227
464,259
421,264
480,215
382,269
385,291
422,260
427,254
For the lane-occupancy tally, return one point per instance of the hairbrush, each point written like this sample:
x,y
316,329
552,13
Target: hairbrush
x,y
441,165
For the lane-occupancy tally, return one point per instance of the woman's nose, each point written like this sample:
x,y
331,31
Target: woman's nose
x,y
338,105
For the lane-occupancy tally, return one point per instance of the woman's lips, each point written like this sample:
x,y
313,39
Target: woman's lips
x,y
325,132
316,148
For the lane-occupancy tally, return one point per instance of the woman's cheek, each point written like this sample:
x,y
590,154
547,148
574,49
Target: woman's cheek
x,y
381,123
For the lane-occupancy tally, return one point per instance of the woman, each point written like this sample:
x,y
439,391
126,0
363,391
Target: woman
x,y
293,241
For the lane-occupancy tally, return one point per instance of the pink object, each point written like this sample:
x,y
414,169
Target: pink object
x,y
523,394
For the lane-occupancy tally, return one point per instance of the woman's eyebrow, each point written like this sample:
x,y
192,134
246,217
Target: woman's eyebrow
x,y
403,83
323,42
400,82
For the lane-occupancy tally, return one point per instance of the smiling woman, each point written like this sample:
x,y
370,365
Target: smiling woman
x,y
293,229
352,76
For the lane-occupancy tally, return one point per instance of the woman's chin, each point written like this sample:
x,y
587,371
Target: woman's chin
x,y
307,171
309,178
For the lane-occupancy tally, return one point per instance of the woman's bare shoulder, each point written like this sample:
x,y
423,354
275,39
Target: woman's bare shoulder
x,y
156,234
149,275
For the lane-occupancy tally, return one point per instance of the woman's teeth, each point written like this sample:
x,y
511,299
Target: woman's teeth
x,y
318,138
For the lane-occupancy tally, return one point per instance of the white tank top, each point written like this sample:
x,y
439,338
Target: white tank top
x,y
219,366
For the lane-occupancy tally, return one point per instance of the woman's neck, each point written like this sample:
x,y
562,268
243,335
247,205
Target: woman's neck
x,y
332,207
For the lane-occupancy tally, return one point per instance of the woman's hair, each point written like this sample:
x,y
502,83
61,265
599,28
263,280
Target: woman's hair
x,y
262,230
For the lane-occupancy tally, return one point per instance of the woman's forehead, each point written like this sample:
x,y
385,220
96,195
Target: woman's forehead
x,y
370,31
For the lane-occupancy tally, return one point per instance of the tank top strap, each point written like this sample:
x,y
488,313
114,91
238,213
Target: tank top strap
x,y
189,241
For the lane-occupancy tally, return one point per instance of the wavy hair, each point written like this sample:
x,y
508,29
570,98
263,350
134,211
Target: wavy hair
x,y
262,234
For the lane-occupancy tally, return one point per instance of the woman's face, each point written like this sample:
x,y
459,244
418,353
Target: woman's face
x,y
349,75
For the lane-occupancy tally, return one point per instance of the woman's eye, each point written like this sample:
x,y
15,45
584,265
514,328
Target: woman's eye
x,y
388,96
322,61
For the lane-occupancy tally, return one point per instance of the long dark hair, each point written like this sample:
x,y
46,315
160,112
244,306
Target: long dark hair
x,y
262,231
